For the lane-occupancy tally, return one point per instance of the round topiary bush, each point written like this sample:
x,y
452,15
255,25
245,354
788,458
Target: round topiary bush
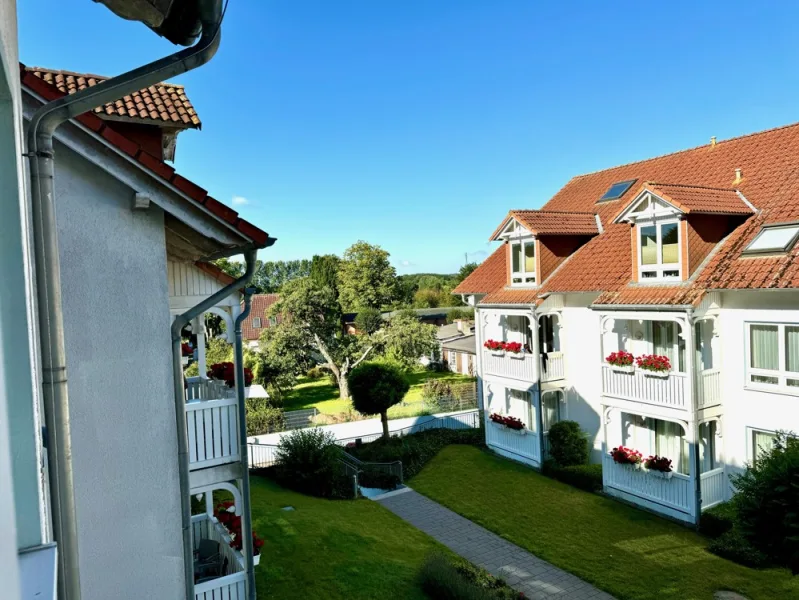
x,y
568,445
375,387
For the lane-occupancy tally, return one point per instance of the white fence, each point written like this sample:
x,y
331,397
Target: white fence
x,y
512,366
231,583
671,391
676,493
523,445
708,388
200,388
714,487
554,367
212,427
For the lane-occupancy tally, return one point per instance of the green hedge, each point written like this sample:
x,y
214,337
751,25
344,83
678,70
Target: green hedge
x,y
733,546
585,477
718,520
443,579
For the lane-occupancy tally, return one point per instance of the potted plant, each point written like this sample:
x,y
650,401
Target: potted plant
x,y
187,352
627,457
515,349
496,348
621,361
225,513
226,372
658,466
654,365
508,422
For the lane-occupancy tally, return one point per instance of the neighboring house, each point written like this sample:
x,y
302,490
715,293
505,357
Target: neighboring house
x,y
460,354
431,316
133,236
690,256
259,318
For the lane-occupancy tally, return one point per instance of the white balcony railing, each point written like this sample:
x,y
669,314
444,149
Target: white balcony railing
x,y
714,487
671,391
230,583
708,388
554,367
526,446
512,366
676,493
212,427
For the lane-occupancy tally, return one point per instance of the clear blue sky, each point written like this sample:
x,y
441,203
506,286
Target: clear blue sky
x,y
417,124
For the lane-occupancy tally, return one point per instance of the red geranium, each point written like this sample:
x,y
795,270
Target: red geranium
x,y
514,347
494,345
232,523
653,362
507,421
620,359
227,372
626,456
186,349
658,463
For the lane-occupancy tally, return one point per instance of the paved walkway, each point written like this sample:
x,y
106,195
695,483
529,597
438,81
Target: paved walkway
x,y
521,570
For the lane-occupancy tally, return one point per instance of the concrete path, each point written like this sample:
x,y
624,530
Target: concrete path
x,y
521,570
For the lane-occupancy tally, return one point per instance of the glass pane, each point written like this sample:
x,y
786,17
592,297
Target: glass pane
x,y
649,275
649,245
529,257
549,409
775,239
762,442
792,348
792,382
707,452
764,347
663,339
764,379
516,253
669,238
671,273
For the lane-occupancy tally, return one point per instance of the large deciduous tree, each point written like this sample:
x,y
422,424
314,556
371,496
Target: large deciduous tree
x,y
366,278
407,339
312,315
375,388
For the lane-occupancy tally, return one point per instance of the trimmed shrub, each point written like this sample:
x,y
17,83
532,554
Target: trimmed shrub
x,y
443,579
568,445
307,461
262,417
316,373
375,387
733,546
767,500
585,477
718,520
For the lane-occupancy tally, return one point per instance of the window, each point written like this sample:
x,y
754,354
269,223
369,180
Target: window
x,y
522,262
762,441
659,250
707,446
773,356
550,409
519,331
272,321
617,190
519,406
773,240
654,436
256,322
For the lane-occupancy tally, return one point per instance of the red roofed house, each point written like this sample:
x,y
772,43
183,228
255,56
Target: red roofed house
x,y
690,256
259,318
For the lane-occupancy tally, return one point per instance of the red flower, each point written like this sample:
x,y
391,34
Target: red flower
x,y
620,359
226,372
186,349
653,362
658,463
493,345
509,422
514,347
625,456
232,523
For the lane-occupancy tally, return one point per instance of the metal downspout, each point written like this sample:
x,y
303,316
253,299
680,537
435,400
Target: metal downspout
x,y
180,408
48,274
246,526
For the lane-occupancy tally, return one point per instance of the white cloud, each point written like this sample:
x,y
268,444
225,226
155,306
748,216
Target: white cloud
x,y
239,201
407,263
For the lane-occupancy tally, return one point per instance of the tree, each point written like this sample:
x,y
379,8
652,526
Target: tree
x,y
324,271
232,268
466,270
427,298
272,275
366,279
312,318
408,339
369,320
375,388
278,363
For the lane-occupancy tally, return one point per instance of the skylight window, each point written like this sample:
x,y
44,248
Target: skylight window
x,y
617,190
773,240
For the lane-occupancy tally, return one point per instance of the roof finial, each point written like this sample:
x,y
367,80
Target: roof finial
x,y
712,141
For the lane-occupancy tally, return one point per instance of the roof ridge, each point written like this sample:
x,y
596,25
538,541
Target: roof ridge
x,y
89,75
718,143
560,212
692,186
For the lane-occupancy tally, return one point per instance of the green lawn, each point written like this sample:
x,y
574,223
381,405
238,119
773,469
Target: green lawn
x,y
333,548
324,395
629,553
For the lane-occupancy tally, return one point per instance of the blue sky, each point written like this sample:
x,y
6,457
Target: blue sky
x,y
416,125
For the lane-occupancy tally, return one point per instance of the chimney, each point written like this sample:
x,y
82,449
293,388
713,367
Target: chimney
x,y
459,324
738,175
713,141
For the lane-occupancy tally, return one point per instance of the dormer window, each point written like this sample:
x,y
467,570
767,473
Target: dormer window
x,y
522,254
659,250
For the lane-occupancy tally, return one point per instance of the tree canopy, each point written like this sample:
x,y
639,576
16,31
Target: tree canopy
x,y
407,339
366,278
376,387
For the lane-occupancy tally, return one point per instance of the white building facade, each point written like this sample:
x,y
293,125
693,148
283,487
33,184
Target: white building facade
x,y
691,282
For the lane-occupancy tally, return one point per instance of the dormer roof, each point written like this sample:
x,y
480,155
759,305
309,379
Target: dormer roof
x,y
691,199
548,222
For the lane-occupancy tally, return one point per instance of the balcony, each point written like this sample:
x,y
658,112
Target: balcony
x,y
230,582
554,367
708,388
639,386
512,366
518,445
212,428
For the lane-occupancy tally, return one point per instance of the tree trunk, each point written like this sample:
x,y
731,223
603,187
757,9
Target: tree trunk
x,y
384,421
343,387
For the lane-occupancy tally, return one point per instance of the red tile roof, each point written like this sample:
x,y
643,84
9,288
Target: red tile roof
x,y
542,222
159,168
770,181
700,199
162,103
261,303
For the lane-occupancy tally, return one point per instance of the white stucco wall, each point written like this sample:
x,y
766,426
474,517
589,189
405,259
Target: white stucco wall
x,y
116,313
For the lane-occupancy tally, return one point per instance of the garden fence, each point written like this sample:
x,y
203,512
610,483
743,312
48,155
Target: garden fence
x,y
299,419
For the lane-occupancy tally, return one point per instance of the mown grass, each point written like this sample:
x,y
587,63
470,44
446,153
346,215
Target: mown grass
x,y
324,395
334,549
629,553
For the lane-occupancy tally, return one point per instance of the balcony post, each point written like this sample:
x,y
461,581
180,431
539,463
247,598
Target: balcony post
x,y
198,326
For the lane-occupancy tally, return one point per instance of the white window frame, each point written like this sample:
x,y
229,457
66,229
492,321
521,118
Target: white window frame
x,y
256,322
272,321
751,451
781,374
527,279
659,268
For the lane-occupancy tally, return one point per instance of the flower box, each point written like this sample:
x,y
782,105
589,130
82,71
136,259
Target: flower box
x,y
660,474
521,432
654,365
516,355
631,466
256,560
658,374
622,368
497,353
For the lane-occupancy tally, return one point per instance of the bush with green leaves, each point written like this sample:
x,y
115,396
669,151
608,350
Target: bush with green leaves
x,y
586,477
262,416
218,350
307,460
734,546
568,445
369,320
718,520
456,579
193,370
316,373
375,387
767,502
